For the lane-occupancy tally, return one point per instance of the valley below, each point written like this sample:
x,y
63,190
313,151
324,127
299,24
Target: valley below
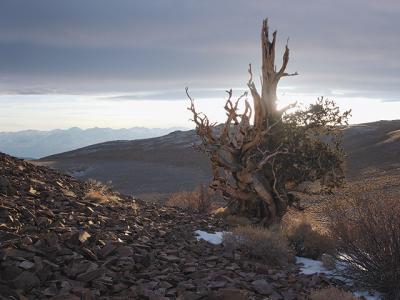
x,y
154,168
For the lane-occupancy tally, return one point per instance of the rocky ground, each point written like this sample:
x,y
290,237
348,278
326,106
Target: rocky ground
x,y
54,244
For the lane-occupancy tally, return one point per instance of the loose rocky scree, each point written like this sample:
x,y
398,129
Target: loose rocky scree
x,y
54,244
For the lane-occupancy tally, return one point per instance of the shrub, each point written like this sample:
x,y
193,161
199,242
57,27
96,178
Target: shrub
x,y
96,196
100,193
260,243
331,293
369,241
200,200
180,199
307,241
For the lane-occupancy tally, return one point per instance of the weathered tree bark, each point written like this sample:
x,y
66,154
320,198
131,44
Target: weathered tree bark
x,y
242,155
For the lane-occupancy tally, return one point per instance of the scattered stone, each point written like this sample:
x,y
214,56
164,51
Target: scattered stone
x,y
189,270
170,258
124,251
230,294
26,265
83,236
217,284
26,281
56,245
263,287
50,291
91,275
107,249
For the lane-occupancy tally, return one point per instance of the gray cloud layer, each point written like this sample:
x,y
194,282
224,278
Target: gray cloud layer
x,y
96,46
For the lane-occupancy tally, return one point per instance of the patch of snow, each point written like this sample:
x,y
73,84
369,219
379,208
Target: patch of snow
x,y
310,266
367,295
213,238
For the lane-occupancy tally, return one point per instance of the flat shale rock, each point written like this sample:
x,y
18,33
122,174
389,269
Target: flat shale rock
x,y
25,281
56,245
263,287
230,294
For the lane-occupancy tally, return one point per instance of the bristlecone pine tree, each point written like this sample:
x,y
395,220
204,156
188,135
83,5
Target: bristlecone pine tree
x,y
258,157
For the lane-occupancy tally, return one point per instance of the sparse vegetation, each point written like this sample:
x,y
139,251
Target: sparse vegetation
x,y
308,241
332,293
100,193
200,200
95,196
368,232
261,243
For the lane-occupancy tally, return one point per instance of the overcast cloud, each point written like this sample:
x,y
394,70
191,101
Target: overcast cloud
x,y
126,47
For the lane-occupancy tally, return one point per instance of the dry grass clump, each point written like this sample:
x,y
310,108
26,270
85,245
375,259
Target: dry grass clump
x,y
200,200
308,241
259,243
100,193
95,196
368,231
332,293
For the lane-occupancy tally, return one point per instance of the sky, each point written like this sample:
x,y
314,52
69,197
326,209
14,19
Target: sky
x,y
126,63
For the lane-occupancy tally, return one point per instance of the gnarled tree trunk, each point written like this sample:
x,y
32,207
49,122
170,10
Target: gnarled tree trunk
x,y
243,153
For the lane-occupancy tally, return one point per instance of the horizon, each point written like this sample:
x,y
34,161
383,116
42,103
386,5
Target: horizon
x,y
62,65
91,128
151,128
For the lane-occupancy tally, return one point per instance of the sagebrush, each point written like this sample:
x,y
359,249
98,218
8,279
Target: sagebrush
x,y
200,199
368,232
332,293
260,243
100,192
308,241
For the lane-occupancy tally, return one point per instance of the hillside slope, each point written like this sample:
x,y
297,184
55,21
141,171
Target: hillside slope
x,y
372,147
151,167
36,144
170,163
57,244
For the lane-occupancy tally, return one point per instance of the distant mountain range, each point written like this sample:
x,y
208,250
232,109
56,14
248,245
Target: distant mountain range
x,y
159,166
36,144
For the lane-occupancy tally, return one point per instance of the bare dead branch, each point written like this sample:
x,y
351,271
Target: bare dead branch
x,y
284,63
252,163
